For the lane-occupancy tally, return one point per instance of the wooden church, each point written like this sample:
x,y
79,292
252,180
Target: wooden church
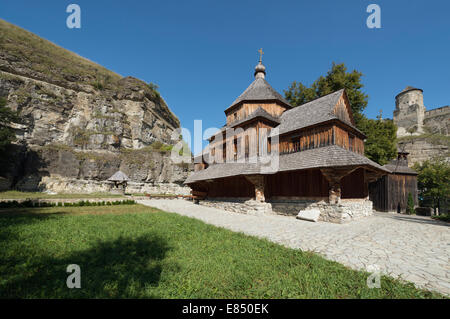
x,y
271,152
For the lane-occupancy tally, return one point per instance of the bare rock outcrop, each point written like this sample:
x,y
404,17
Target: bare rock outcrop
x,y
80,121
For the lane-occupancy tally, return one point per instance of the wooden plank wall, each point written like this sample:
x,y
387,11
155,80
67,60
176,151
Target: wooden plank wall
x,y
352,185
342,139
399,186
237,186
378,194
246,109
247,138
342,110
308,183
314,138
318,137
390,193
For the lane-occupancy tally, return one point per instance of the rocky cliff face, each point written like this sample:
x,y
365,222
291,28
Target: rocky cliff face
x,y
80,122
425,147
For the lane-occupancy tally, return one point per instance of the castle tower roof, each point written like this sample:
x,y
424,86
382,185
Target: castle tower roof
x,y
408,89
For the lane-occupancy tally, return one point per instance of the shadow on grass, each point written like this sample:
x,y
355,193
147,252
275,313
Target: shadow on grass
x,y
10,219
33,212
123,268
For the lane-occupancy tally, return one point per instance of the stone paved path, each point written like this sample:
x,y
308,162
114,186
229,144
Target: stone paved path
x,y
414,248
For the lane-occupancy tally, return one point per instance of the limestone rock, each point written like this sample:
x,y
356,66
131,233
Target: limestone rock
x,y
80,121
311,215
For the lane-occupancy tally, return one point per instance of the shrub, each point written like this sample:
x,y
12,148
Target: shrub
x,y
98,85
3,101
28,203
444,218
410,205
81,203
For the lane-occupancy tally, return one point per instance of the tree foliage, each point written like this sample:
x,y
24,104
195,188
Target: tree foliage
x,y
6,117
336,79
381,135
433,182
381,142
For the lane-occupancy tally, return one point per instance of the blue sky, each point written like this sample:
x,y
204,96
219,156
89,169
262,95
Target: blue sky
x,y
202,53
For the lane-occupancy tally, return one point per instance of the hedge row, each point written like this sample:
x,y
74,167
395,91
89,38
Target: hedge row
x,y
32,204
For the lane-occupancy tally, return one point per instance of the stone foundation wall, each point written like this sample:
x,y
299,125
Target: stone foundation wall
x,y
345,211
239,205
290,207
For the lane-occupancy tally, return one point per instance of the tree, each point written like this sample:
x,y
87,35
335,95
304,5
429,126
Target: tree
x,y
337,78
381,135
433,182
6,117
381,142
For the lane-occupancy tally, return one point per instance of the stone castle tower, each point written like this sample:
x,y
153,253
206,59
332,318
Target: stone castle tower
x,y
412,118
409,112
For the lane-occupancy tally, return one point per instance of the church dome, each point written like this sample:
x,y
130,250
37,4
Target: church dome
x,y
260,70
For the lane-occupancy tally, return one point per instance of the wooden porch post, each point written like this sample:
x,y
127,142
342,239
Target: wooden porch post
x,y
334,194
259,184
334,176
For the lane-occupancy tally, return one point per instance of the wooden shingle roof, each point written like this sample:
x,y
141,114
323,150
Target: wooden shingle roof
x,y
311,113
323,157
118,177
399,168
260,90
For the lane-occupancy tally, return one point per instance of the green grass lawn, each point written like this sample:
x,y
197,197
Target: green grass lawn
x,y
140,252
39,195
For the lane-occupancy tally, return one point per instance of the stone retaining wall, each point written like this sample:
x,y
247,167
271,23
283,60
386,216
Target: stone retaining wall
x,y
80,186
290,207
345,211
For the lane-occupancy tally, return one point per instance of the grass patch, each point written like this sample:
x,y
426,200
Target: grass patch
x,y
141,252
38,195
49,60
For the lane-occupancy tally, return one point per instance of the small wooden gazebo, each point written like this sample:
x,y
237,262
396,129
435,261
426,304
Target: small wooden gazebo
x,y
119,181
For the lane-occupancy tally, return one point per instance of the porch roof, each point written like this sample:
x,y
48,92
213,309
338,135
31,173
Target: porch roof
x,y
323,157
399,169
